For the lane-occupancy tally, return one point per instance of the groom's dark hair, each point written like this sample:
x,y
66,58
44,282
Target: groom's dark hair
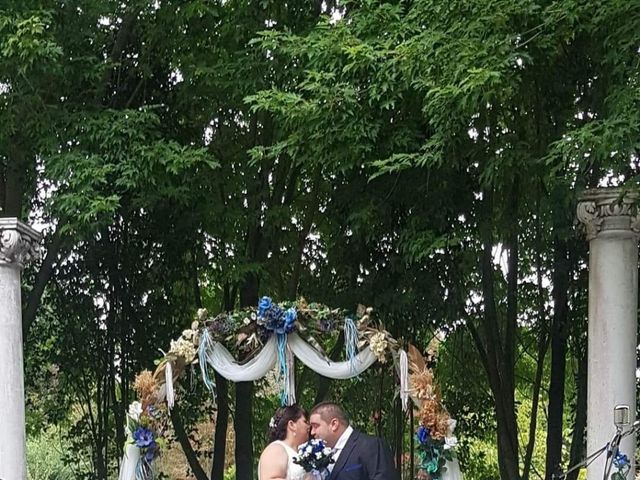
x,y
330,410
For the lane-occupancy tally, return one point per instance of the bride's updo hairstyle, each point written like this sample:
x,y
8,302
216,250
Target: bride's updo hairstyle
x,y
280,420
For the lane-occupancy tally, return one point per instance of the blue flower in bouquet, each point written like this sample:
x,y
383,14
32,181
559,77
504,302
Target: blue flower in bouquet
x,y
314,456
264,305
422,434
143,437
289,319
621,461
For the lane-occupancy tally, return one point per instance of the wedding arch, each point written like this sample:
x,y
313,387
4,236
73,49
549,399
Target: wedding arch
x,y
272,336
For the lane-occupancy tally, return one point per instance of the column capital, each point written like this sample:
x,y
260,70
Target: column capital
x,y
19,243
603,210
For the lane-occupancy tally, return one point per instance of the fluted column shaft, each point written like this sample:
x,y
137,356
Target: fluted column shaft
x,y
18,245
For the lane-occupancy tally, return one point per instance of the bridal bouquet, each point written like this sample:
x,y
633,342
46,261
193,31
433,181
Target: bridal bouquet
x,y
315,457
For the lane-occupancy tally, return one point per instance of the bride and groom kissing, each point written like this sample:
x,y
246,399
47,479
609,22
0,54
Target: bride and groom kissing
x,y
356,455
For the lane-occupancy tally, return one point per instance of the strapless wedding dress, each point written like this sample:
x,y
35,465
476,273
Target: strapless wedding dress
x,y
294,471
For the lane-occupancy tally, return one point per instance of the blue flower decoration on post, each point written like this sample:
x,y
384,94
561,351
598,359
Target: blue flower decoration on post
x,y
622,464
422,434
143,437
151,452
620,460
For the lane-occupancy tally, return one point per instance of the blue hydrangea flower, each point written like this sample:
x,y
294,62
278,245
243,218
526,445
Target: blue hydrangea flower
x,y
143,437
422,434
274,318
264,305
289,319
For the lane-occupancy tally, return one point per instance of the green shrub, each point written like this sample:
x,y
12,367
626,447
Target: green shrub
x,y
45,458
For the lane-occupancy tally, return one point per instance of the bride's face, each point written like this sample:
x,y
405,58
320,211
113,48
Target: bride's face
x,y
300,429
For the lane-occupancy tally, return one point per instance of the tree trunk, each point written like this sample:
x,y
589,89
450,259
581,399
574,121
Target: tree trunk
x,y
244,397
507,441
244,431
533,421
222,423
16,172
183,438
496,345
3,188
222,399
399,433
558,358
580,424
42,278
543,345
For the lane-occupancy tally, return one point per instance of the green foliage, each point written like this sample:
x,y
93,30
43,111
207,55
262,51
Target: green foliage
x,y
45,457
120,156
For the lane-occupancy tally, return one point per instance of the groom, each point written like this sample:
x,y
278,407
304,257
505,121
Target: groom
x,y
357,456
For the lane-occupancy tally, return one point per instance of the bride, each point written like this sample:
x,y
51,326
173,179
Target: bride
x,y
288,428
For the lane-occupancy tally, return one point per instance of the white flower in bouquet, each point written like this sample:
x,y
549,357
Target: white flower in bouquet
x,y
188,334
183,348
135,410
450,442
378,344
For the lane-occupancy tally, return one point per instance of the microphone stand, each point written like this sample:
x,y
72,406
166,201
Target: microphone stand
x,y
585,463
611,448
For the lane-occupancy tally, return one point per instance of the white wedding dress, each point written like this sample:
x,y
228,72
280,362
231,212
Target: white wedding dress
x,y
294,471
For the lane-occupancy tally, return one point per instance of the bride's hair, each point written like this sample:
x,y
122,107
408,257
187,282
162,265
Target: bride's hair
x,y
278,423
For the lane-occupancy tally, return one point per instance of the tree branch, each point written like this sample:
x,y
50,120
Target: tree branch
x,y
42,278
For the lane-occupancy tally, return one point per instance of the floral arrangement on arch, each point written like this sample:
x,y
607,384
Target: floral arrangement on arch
x,y
147,419
247,330
244,332
435,439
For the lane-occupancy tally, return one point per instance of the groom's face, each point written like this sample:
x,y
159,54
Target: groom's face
x,y
329,431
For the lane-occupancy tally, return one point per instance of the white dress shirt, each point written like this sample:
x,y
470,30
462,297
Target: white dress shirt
x,y
342,441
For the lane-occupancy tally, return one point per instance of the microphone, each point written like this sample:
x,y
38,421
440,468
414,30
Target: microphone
x,y
621,416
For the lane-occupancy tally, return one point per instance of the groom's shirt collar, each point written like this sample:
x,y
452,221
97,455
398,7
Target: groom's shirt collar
x,y
342,441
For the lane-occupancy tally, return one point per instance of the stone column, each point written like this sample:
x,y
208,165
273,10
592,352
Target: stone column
x,y
18,245
612,225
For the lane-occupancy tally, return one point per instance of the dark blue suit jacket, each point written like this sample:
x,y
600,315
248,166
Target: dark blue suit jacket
x,y
364,458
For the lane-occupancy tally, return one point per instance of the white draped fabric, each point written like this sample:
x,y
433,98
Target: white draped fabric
x,y
219,358
129,463
254,369
453,471
403,373
317,362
